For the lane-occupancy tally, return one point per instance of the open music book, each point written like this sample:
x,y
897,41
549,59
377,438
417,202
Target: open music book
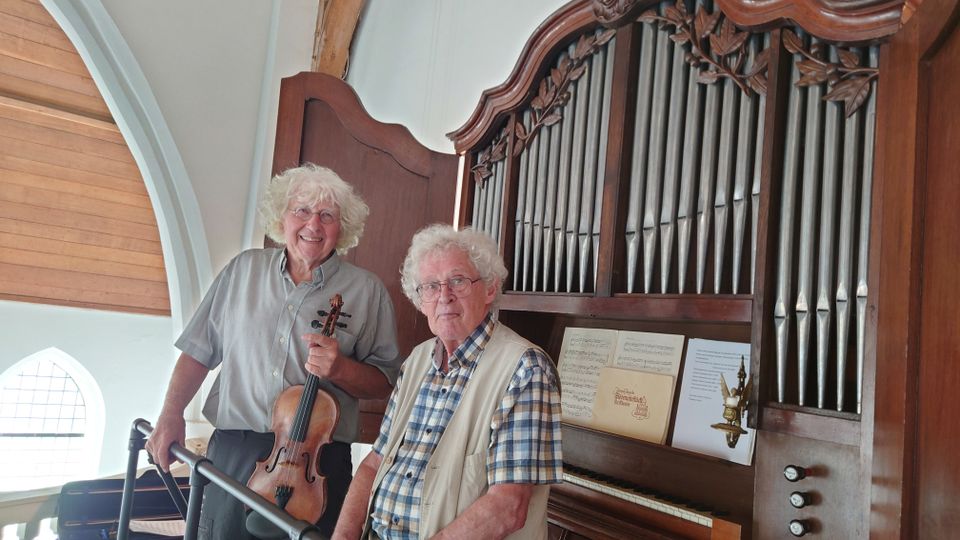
x,y
619,381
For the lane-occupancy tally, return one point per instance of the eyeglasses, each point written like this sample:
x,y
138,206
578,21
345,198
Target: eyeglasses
x,y
429,292
304,214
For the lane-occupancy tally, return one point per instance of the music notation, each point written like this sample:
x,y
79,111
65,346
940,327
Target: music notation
x,y
627,491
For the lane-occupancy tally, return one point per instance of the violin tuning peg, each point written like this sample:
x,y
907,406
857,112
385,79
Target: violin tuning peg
x,y
341,325
347,315
322,313
315,324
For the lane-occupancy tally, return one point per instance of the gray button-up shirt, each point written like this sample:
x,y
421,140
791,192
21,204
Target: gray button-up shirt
x,y
251,321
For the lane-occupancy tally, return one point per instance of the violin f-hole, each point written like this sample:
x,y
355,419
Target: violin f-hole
x,y
307,462
271,466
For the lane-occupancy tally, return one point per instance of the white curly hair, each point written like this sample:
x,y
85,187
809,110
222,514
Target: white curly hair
x,y
439,238
308,185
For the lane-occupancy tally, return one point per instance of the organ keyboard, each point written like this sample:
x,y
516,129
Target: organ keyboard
x,y
587,499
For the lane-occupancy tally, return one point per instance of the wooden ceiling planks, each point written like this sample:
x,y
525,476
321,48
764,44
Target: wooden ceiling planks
x,y
76,224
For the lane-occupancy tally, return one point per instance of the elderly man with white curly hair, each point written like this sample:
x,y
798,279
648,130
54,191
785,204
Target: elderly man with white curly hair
x,y
255,324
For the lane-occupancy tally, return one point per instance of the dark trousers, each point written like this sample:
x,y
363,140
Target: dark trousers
x,y
236,452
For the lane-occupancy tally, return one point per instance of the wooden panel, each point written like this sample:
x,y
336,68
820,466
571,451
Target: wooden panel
x,y
61,120
67,173
38,63
938,477
76,224
30,10
833,483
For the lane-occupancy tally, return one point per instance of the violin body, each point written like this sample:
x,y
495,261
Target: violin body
x,y
296,464
304,419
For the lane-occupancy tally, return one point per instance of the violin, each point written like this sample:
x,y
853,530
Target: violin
x,y
304,418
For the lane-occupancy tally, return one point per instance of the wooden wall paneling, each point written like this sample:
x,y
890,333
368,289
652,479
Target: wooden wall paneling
x,y
76,223
28,10
832,484
898,270
66,173
938,432
611,262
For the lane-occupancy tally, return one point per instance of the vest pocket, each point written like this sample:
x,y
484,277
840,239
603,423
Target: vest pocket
x,y
474,481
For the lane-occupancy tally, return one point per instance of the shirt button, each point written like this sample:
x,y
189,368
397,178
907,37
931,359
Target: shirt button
x,y
275,373
443,390
396,520
429,430
289,307
409,475
282,340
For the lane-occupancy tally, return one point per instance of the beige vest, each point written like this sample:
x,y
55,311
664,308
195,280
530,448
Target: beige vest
x,y
456,474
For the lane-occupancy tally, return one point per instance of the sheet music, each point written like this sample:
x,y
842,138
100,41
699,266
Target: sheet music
x,y
650,352
584,352
701,400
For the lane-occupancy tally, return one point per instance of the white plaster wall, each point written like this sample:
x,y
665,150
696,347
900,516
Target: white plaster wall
x,y
214,67
424,63
126,354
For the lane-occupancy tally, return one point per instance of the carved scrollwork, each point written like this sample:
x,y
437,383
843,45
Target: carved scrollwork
x,y
847,80
554,90
494,153
714,43
609,12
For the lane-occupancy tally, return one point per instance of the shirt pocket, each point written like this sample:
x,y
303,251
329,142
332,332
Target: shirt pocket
x,y
347,341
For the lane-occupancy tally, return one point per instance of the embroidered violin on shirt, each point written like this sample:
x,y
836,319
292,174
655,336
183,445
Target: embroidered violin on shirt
x,y
304,419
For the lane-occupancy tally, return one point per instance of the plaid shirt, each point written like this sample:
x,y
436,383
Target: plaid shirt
x,y
524,441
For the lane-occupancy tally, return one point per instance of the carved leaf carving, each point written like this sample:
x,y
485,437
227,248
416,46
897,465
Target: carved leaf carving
x,y
578,72
604,37
551,119
649,16
852,92
848,82
553,92
849,59
715,44
791,42
705,23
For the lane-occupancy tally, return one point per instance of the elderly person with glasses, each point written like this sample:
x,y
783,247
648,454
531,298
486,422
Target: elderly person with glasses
x,y
471,438
255,324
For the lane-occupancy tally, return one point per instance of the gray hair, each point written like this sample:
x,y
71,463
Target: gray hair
x,y
308,185
439,238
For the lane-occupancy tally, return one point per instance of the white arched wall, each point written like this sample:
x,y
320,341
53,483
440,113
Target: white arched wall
x,y
134,108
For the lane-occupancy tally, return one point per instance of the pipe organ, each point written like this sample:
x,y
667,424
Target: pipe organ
x,y
706,169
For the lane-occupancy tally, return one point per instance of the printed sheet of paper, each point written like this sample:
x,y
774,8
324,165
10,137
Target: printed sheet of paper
x,y
650,352
582,355
634,403
701,400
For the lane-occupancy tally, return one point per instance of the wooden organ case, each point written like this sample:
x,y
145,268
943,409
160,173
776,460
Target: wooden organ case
x,y
712,169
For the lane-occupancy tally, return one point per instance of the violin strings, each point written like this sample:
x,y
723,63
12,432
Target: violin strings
x,y
300,421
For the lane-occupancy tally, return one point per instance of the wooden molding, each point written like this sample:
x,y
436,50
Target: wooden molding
x,y
393,138
845,22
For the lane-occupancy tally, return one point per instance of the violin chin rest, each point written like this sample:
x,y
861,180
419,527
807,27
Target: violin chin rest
x,y
262,528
